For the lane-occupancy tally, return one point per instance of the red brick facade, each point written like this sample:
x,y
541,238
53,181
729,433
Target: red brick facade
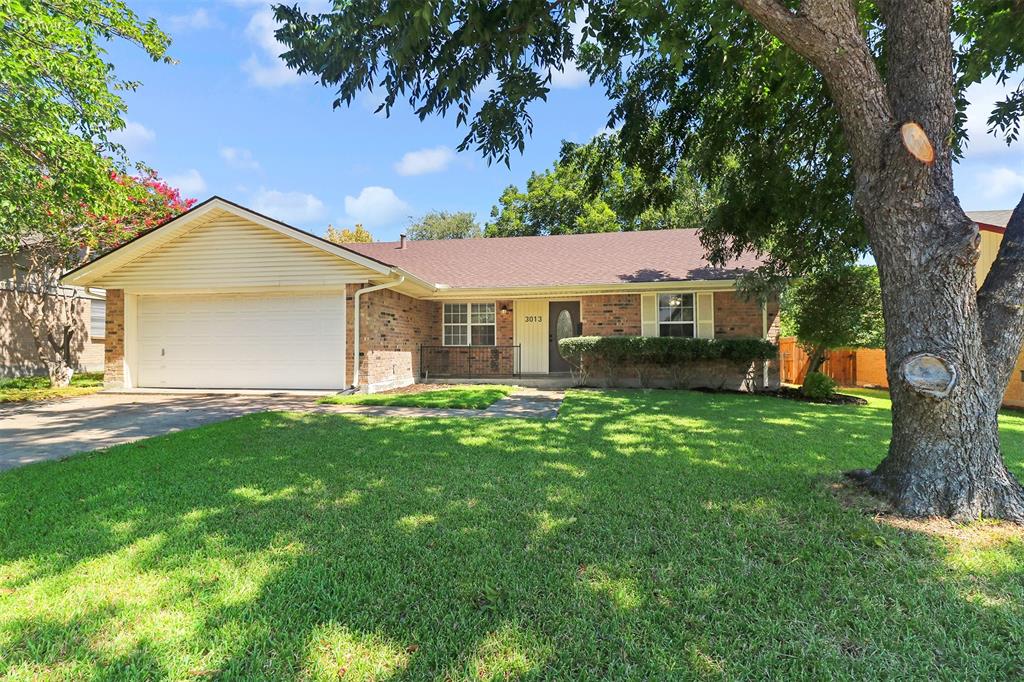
x,y
611,315
393,326
738,318
113,354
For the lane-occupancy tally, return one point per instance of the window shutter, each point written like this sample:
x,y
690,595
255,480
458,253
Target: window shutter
x,y
649,314
705,316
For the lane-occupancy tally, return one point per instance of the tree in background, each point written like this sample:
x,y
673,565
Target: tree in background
x,y
843,117
445,225
591,189
58,102
836,308
356,235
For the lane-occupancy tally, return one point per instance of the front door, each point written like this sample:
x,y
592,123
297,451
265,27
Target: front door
x,y
563,321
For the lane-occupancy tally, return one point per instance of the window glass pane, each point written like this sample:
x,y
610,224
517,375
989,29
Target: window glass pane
x,y
483,335
676,329
455,335
483,313
455,313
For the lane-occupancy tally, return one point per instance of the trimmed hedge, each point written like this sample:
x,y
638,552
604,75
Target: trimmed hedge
x,y
661,351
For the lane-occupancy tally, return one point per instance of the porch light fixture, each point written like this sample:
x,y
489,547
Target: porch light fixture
x,y
504,309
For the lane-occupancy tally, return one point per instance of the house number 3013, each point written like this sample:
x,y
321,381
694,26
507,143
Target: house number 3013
x,y
534,318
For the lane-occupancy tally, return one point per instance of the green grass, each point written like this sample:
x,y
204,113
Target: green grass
x,y
657,535
468,397
39,388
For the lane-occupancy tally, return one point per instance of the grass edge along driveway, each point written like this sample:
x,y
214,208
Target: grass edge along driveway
x,y
467,397
642,535
25,389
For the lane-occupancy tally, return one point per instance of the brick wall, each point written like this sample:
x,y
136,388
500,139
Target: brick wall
x,y
611,315
113,355
393,326
738,318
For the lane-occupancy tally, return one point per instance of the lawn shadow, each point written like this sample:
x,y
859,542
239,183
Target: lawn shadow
x,y
642,535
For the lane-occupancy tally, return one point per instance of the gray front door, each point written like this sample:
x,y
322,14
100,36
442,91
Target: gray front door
x,y
563,321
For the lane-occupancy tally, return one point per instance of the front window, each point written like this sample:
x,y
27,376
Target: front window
x,y
469,324
675,315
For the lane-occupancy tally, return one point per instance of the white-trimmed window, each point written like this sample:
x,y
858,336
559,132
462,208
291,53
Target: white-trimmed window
x,y
469,324
676,315
97,319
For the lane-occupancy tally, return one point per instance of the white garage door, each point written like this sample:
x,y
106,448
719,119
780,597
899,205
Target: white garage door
x,y
241,341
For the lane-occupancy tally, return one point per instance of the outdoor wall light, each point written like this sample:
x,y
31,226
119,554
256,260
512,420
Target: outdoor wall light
x,y
504,309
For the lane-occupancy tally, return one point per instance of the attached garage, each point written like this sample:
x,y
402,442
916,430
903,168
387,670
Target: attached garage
x,y
224,298
287,341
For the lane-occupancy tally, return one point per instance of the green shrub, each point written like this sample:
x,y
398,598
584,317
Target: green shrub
x,y
611,354
818,386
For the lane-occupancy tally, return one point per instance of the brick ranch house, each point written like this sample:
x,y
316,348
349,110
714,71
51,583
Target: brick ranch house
x,y
223,297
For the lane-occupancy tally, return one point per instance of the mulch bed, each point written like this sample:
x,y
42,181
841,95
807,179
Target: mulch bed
x,y
788,393
417,388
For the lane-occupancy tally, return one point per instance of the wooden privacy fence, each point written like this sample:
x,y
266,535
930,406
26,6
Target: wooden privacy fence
x,y
866,367
846,366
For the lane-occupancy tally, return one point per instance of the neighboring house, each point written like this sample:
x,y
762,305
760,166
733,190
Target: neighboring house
x,y
18,353
223,297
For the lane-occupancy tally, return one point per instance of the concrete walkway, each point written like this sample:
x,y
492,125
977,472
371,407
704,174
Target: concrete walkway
x,y
37,431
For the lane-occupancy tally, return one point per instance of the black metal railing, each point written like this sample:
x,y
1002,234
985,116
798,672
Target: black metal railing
x,y
469,361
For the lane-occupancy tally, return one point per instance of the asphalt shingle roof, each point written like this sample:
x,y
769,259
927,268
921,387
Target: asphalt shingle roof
x,y
582,259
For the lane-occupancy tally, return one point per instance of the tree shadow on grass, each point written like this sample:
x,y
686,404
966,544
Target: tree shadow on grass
x,y
641,535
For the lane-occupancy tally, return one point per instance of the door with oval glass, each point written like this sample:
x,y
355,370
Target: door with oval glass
x,y
563,321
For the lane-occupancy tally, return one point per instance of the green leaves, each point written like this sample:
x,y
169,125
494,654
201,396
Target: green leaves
x,y
58,102
838,308
664,351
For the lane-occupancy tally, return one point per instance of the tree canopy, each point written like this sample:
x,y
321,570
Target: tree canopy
x,y
815,102
836,308
591,189
358,234
445,225
59,102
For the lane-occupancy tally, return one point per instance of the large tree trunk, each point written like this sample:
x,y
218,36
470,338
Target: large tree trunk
x,y
950,350
944,458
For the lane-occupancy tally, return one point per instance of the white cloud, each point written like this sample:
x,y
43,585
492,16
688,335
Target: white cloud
x,y
133,136
424,161
375,207
1002,182
288,207
570,77
190,182
265,68
236,157
196,20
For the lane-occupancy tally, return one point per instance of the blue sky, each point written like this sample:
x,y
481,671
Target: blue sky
x,y
230,119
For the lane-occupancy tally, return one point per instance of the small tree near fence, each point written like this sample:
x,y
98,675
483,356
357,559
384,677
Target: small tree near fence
x,y
836,308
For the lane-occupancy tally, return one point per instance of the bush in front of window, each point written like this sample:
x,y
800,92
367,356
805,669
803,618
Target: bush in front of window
x,y
610,355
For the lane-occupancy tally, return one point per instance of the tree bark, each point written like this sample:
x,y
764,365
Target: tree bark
x,y
816,360
949,351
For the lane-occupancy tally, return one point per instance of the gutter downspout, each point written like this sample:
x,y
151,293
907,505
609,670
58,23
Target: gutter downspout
x,y
355,328
764,327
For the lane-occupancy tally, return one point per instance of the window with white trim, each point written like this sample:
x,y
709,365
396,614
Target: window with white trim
x,y
469,324
97,319
676,315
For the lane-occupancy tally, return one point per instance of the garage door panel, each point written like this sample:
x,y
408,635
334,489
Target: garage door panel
x,y
242,341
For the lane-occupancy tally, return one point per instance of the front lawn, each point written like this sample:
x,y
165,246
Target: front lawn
x,y
642,535
40,388
467,397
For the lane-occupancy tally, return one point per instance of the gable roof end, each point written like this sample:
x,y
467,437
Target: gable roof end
x,y
162,234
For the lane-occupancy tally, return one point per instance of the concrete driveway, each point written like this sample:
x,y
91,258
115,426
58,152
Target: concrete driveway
x,y
32,432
